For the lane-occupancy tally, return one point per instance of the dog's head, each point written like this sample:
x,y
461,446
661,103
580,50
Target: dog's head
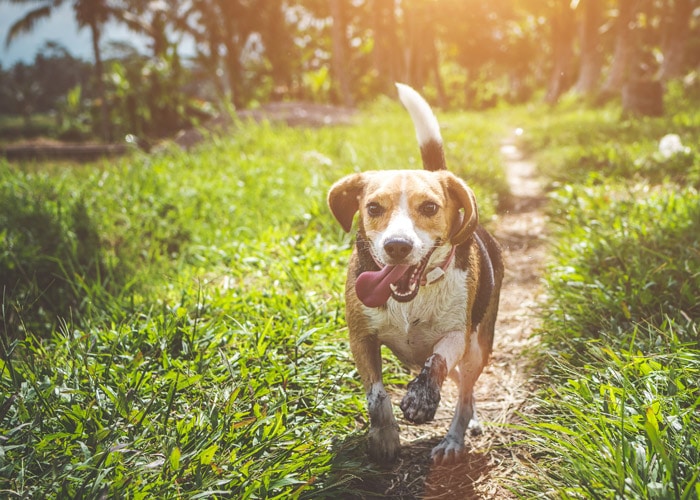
x,y
406,216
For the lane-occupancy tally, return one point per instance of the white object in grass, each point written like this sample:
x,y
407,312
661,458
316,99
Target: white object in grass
x,y
671,145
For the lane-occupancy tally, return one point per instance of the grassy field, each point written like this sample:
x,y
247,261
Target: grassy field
x,y
618,415
201,347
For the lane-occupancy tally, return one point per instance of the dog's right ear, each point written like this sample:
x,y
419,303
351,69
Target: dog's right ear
x,y
344,199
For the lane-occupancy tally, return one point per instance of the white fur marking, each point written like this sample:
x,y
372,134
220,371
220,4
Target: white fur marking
x,y
379,404
402,226
412,329
451,348
425,122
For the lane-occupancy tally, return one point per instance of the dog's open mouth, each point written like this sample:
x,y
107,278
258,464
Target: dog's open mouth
x,y
400,282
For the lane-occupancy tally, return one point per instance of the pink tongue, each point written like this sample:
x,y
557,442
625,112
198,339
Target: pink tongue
x,y
372,287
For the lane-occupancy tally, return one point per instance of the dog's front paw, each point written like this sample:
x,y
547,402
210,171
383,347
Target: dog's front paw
x,y
383,444
421,400
448,451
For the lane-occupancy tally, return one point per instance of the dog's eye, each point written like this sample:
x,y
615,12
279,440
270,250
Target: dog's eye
x,y
374,209
429,208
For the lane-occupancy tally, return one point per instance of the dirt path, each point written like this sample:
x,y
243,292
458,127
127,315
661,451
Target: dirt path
x,y
504,386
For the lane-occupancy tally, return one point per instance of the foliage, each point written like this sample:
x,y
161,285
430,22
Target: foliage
x,y
73,118
26,89
43,87
147,97
466,54
574,146
628,258
212,394
616,415
221,366
50,253
624,424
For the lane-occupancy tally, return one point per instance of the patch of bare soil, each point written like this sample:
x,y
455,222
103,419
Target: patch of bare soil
x,y
306,114
503,388
50,149
294,114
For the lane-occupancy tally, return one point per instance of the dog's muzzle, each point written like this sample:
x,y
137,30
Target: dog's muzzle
x,y
400,282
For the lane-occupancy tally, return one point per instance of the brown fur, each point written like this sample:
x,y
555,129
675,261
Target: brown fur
x,y
418,229
478,255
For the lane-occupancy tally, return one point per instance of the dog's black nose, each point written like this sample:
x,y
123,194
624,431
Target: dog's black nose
x,y
398,248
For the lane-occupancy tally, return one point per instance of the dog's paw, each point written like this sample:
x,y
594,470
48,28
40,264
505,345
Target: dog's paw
x,y
383,444
449,451
421,400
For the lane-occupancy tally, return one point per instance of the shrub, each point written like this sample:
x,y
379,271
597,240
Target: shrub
x,y
618,416
625,424
628,256
50,253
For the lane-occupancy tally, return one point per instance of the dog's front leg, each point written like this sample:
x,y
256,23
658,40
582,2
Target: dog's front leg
x,y
423,393
384,445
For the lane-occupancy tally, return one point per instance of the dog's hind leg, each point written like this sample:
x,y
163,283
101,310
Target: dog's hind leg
x,y
452,445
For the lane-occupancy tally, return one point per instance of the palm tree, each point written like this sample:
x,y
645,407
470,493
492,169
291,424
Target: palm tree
x,y
88,13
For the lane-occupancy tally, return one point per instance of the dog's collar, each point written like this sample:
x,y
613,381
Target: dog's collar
x,y
437,273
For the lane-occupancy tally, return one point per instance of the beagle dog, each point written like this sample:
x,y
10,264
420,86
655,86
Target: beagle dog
x,y
424,279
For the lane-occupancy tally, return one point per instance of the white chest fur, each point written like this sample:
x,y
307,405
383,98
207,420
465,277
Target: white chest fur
x,y
412,329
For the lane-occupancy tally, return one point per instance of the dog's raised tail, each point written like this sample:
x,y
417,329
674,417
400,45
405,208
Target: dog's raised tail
x,y
427,128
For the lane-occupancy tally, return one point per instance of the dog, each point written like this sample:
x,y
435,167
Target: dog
x,y
424,279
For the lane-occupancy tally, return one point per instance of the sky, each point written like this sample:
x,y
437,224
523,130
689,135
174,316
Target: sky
x,y
60,27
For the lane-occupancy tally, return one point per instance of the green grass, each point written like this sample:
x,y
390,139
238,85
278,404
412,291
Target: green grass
x,y
628,254
574,143
619,360
15,128
172,325
624,424
194,344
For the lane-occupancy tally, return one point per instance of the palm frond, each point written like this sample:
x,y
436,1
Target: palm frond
x,y
27,23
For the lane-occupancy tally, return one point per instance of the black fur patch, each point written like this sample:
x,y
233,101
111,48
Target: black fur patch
x,y
488,254
433,156
423,392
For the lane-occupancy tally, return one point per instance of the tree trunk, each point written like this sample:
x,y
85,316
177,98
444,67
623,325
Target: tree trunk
x,y
421,57
676,40
105,129
233,39
212,61
412,48
563,30
387,49
279,47
624,49
159,35
234,72
339,62
591,56
435,57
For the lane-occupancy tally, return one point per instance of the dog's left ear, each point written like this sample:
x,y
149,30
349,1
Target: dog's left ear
x,y
344,199
464,196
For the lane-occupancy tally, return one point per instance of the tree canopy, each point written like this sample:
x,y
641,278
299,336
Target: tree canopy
x,y
463,53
